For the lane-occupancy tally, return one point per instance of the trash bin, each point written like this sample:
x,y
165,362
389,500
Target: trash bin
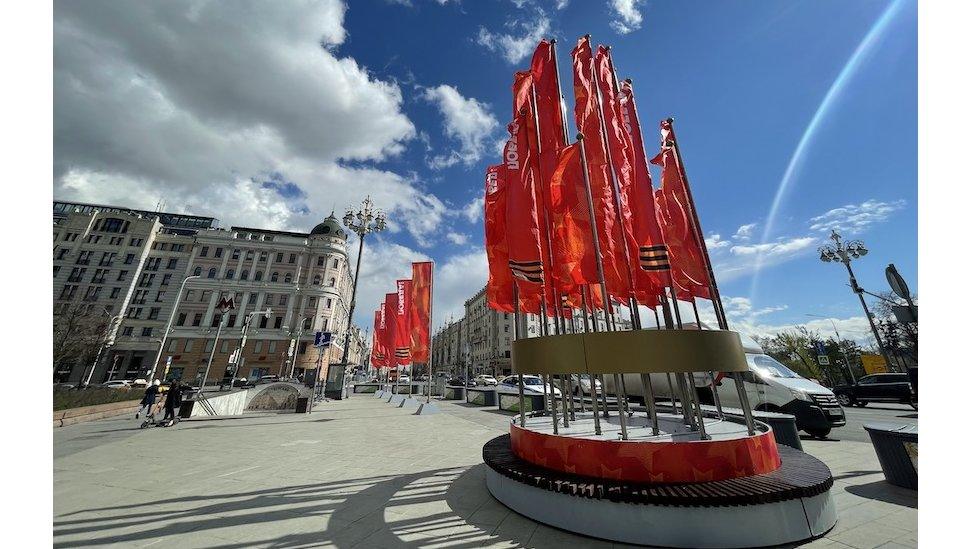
x,y
897,448
783,426
186,408
303,406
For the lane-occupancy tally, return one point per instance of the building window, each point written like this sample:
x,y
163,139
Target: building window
x,y
272,346
312,301
274,276
301,347
204,251
212,273
115,293
231,320
316,280
62,252
147,331
328,303
153,313
277,323
258,275
252,299
332,281
248,255
181,320
127,331
335,263
263,256
279,256
287,278
129,258
291,258
171,264
215,321
218,252
197,271
208,346
224,346
172,345
321,261
258,345
166,279
229,275
236,254
283,299
244,274
197,318
188,346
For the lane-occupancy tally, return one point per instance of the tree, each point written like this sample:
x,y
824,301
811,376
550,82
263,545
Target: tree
x,y
900,339
78,334
797,348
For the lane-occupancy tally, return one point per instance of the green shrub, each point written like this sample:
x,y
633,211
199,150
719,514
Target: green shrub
x,y
76,398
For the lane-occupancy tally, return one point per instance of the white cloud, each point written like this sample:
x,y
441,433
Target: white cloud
x,y
516,47
626,17
714,241
455,280
560,4
786,247
856,218
182,101
474,211
466,120
744,232
457,238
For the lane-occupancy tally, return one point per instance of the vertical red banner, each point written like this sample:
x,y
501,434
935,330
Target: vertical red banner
x,y
401,353
499,291
378,356
390,328
420,300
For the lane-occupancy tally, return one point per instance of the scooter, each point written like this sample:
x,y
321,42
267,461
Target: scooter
x,y
151,420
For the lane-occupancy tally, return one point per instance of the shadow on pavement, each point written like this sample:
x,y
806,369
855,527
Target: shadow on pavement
x,y
883,491
444,507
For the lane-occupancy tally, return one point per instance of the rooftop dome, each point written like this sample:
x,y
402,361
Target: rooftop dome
x,y
330,226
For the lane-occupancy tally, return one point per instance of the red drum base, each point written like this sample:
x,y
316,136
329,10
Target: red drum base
x,y
675,455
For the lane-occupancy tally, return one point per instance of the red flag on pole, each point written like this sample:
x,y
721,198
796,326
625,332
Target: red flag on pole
x,y
378,356
688,271
522,227
572,240
401,351
499,291
420,299
390,329
588,122
652,253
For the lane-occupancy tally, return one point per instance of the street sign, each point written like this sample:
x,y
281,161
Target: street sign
x,y
897,283
823,360
821,349
873,364
323,339
905,314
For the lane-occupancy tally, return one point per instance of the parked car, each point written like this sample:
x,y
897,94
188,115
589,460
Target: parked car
x,y
485,379
895,387
117,384
580,383
531,385
404,379
266,379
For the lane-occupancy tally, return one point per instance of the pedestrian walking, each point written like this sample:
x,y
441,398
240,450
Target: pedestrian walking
x,y
174,397
149,398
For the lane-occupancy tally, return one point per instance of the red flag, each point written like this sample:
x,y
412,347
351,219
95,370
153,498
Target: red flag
x,y
401,352
423,275
522,221
572,241
499,290
587,120
688,271
390,329
378,356
652,253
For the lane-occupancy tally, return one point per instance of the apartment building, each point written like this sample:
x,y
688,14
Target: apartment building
x,y
129,265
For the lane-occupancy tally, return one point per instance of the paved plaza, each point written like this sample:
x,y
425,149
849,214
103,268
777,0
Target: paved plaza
x,y
355,473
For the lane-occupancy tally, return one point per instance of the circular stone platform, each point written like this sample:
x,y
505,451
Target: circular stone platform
x,y
676,454
787,505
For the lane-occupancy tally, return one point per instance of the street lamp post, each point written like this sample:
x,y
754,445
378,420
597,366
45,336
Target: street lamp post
x,y
843,252
840,344
363,222
240,352
169,324
101,348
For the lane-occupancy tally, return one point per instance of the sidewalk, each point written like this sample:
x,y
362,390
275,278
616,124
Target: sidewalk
x,y
354,473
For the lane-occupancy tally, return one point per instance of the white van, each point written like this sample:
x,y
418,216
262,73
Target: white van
x,y
770,386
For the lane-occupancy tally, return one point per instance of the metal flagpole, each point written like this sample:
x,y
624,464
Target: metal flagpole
x,y
521,381
430,330
595,403
713,285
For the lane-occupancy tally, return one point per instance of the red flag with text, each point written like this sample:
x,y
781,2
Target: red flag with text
x,y
378,355
401,349
420,299
500,281
390,328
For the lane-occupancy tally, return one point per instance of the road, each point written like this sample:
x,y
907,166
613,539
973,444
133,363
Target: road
x,y
872,413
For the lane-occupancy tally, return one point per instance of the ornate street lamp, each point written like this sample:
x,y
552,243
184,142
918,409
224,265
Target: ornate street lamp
x,y
365,221
843,252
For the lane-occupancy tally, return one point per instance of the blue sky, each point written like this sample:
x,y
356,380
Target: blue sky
x,y
409,100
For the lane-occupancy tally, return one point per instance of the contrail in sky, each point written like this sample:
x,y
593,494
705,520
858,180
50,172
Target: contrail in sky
x,y
799,154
